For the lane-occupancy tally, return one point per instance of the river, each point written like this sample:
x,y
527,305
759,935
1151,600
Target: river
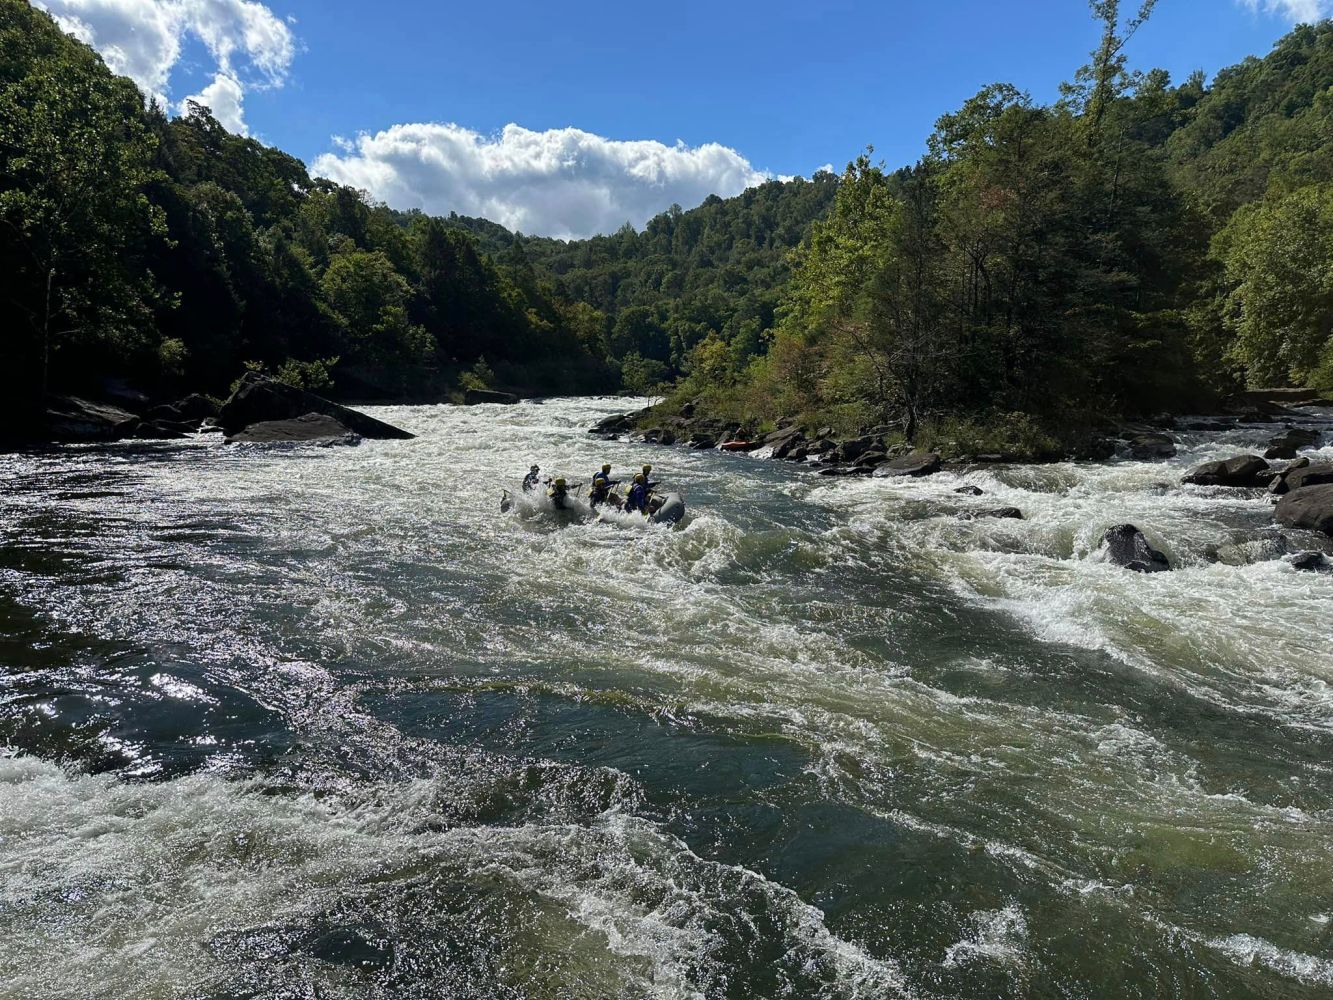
x,y
303,722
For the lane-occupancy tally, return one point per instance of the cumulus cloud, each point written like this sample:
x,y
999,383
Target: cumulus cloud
x,y
1295,11
563,182
250,45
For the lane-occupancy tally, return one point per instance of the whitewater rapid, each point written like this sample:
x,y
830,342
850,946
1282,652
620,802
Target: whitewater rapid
x,y
302,721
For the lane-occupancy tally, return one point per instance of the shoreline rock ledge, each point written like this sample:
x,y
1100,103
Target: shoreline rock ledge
x,y
264,410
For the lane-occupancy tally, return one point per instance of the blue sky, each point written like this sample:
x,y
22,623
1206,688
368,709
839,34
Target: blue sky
x,y
748,88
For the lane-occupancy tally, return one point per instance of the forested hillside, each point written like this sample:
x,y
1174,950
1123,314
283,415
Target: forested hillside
x,y
1136,246
177,255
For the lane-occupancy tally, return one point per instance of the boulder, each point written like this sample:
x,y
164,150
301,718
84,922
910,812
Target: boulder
x,y
1207,425
315,428
788,446
162,430
1011,513
193,410
850,451
782,434
615,425
921,463
1309,507
871,459
1302,475
845,470
71,419
1242,470
1149,447
258,399
1313,562
1294,438
971,491
702,442
472,397
196,407
1125,545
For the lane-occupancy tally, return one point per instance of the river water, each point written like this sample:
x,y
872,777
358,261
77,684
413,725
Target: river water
x,y
303,722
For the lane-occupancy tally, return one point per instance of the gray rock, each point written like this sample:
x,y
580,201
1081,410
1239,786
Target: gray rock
x,y
615,425
921,463
1313,562
314,428
71,419
1242,470
1301,475
1125,545
258,399
1011,513
474,396
971,491
1149,447
1309,507
844,470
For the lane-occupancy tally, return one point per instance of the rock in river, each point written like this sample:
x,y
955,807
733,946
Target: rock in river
x,y
1126,546
1146,447
1308,507
474,396
258,399
921,463
71,419
1243,470
317,428
1010,513
1301,476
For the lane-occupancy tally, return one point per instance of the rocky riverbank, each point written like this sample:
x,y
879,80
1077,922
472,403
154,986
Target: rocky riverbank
x,y
259,410
1301,490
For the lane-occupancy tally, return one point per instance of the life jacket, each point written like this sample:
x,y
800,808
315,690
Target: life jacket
x,y
638,498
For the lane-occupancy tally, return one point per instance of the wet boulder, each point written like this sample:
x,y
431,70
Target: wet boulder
x,y
312,428
970,491
845,470
1302,475
1310,507
71,419
1125,545
261,400
1004,513
1242,470
1310,561
615,425
850,451
871,459
921,463
473,397
1151,447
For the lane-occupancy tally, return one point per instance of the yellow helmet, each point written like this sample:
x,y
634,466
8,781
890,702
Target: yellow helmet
x,y
647,469
606,467
639,478
560,481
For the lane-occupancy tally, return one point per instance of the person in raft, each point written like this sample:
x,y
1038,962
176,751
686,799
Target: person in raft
x,y
559,493
531,480
638,495
601,486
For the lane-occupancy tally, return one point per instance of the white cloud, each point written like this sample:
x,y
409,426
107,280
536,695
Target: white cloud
x,y
223,96
563,182
251,46
1295,11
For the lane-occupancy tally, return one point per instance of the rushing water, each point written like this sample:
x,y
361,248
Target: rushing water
x,y
302,722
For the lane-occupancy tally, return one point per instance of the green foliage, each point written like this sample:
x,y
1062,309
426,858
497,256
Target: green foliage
x,y
313,376
480,376
1279,261
642,376
1125,250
